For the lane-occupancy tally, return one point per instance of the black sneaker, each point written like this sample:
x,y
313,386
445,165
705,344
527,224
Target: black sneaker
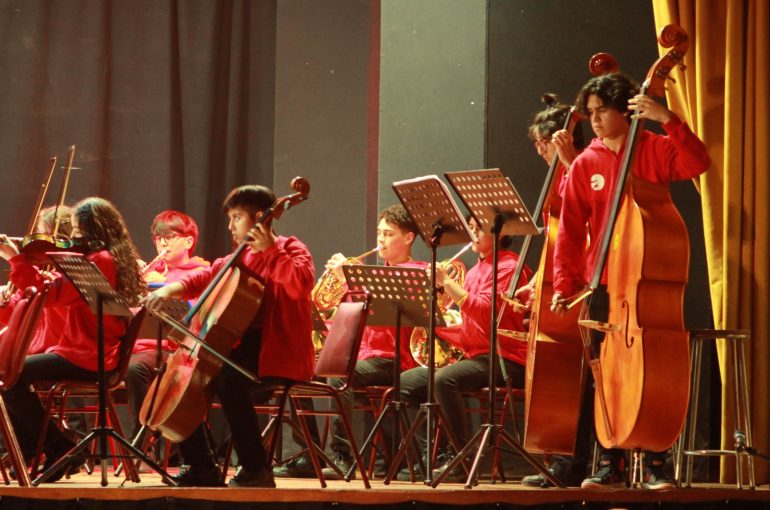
x,y
342,462
300,467
253,478
607,477
656,479
457,475
199,477
541,481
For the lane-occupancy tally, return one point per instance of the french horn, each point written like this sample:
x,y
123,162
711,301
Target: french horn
x,y
329,290
445,353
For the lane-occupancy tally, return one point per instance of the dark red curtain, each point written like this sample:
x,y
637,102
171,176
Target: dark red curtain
x,y
170,105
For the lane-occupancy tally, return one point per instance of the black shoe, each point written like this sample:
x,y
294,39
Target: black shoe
x,y
299,467
253,478
199,477
457,475
541,481
56,451
608,476
342,462
656,479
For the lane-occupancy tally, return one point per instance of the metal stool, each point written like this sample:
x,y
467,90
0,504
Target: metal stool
x,y
741,410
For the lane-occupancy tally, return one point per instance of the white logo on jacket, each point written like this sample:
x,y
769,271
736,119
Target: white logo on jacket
x,y
597,182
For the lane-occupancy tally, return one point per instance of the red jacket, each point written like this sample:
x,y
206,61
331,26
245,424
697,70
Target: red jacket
x,y
77,339
591,182
473,336
159,274
287,271
380,341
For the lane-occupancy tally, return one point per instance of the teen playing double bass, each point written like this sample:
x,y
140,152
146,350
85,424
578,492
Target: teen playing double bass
x,y
609,101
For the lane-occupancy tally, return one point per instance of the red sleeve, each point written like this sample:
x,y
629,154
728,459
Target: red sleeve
x,y
479,303
62,292
568,259
195,282
683,154
290,265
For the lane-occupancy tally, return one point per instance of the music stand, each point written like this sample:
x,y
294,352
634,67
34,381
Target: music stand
x,y
498,209
440,223
102,299
397,296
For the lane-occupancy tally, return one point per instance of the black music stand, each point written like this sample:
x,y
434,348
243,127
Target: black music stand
x,y
102,299
498,209
397,296
440,223
155,327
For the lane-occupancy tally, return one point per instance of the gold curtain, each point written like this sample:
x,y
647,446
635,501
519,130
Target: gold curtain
x,y
723,95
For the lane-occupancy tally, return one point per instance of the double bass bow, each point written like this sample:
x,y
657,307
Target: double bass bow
x,y
178,400
642,373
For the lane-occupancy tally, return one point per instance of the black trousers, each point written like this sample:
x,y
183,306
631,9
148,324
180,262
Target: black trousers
x,y
468,374
368,372
237,395
27,412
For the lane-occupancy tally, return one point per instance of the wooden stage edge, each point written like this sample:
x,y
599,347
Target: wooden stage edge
x,y
85,486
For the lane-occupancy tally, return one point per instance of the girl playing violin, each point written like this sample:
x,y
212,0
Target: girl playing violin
x,y
96,221
609,101
278,348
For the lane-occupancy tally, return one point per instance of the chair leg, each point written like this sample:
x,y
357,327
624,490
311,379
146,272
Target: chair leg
x,y
352,439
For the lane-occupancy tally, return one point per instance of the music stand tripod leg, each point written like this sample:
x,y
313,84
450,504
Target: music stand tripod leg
x,y
489,431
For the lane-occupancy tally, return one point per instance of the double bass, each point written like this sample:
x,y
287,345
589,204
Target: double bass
x,y
178,400
555,373
642,373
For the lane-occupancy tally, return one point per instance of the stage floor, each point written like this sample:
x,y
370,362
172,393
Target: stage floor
x,y
292,493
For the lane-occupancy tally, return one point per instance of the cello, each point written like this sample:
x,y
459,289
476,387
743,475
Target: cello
x,y
555,375
646,248
178,400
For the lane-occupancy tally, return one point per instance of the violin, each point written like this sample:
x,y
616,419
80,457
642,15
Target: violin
x,y
177,402
642,374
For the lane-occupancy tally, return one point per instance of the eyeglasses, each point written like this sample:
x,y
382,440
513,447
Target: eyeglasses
x,y
165,237
542,143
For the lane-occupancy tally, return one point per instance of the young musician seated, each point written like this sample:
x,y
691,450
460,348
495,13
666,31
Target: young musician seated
x,y
608,101
52,320
471,372
101,226
175,235
396,233
278,349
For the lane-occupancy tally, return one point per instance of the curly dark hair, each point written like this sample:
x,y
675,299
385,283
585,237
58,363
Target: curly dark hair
x,y
546,122
99,221
171,221
614,90
397,215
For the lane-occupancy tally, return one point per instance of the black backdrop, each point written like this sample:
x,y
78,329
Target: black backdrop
x,y
172,103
